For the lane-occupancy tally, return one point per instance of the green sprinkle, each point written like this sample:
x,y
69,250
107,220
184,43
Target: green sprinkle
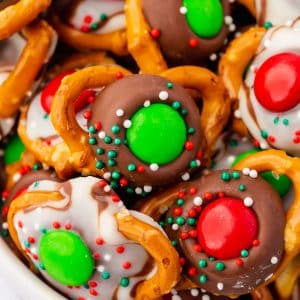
x,y
36,184
285,122
131,167
203,278
176,104
184,112
162,223
191,221
233,143
112,154
193,164
115,129
117,141
107,140
130,191
44,230
180,221
220,266
27,244
244,253
94,26
36,167
211,258
236,175
180,202
242,187
86,285
103,17
116,175
276,120
264,134
202,263
170,220
105,275
42,267
100,151
169,85
92,129
268,25
174,243
114,184
99,164
225,176
92,141
111,163
191,130
45,116
5,233
124,282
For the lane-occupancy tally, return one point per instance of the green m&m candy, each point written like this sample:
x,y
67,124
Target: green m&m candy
x,y
66,258
13,150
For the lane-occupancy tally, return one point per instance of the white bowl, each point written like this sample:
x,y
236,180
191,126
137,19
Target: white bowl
x,y
24,284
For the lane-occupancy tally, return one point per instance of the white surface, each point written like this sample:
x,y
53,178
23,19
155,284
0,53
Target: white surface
x,y
17,282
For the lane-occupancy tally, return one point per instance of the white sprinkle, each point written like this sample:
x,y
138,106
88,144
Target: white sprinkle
x,y
198,201
4,225
183,10
263,145
102,134
120,112
174,292
248,201
253,68
107,188
267,43
213,57
154,167
176,297
274,260
237,114
228,20
33,250
194,292
36,227
147,188
246,171
16,177
24,230
39,210
147,103
101,268
220,286
175,227
253,174
127,123
107,175
107,257
232,27
163,95
198,162
138,190
205,297
185,177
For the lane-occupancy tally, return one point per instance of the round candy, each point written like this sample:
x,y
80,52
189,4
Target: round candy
x,y
66,257
226,227
157,134
277,82
13,150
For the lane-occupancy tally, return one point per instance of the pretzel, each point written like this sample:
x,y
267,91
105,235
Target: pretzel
x,y
47,147
114,41
41,41
16,16
281,163
233,64
124,256
110,112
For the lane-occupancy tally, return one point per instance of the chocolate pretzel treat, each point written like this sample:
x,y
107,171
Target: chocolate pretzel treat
x,y
268,96
223,227
91,24
101,251
35,127
23,57
179,39
144,130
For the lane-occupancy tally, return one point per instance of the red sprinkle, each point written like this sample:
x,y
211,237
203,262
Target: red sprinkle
x,y
192,191
123,182
68,226
181,194
87,19
119,75
99,241
98,125
199,155
93,292
5,194
140,169
96,255
208,196
5,210
155,33
193,43
197,248
84,28
192,213
102,183
182,260
177,211
184,235
192,271
115,198
255,243
93,284
193,233
87,114
221,195
189,146
20,224
239,262
31,240
271,139
56,225
126,265
256,143
120,249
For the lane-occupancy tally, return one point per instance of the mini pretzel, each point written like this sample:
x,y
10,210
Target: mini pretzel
x,y
233,64
281,163
175,40
18,14
85,37
35,128
41,40
219,224
135,167
114,251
